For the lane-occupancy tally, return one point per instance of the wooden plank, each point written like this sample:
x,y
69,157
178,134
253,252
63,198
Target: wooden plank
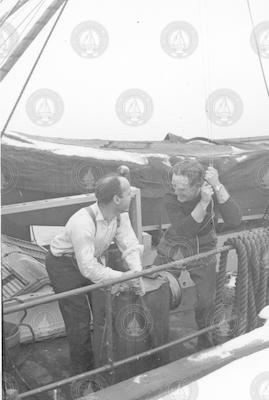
x,y
51,203
48,203
147,228
30,213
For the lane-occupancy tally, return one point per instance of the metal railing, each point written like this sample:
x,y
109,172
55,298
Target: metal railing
x,y
110,367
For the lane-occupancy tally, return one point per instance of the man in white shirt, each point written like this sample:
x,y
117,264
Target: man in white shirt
x,y
75,259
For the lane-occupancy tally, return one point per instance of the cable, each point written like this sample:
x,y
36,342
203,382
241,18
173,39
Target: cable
x,y
16,7
25,18
33,68
39,5
205,61
257,47
9,13
12,49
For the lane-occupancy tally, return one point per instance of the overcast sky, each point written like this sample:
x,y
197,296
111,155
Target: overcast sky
x,y
177,54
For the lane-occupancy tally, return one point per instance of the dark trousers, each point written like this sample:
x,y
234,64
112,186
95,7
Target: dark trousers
x,y
205,282
65,275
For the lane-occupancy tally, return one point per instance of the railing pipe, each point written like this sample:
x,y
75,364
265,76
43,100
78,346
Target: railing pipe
x,y
117,364
180,264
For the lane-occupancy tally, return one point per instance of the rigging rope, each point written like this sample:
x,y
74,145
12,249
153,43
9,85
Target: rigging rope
x,y
33,68
205,60
33,11
257,47
252,285
5,17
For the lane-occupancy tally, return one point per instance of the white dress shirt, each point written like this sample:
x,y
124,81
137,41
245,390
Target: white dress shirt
x,y
88,241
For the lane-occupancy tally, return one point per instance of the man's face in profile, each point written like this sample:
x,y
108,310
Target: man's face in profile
x,y
182,188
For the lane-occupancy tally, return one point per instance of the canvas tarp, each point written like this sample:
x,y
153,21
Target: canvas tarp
x,y
38,167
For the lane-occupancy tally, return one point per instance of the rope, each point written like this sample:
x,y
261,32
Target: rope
x,y
257,47
33,68
252,283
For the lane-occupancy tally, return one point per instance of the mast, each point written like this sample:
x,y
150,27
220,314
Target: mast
x,y
29,37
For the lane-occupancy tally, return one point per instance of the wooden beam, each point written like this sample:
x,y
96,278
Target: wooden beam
x,y
61,202
147,228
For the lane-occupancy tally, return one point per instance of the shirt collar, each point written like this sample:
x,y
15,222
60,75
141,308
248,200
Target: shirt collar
x,y
98,214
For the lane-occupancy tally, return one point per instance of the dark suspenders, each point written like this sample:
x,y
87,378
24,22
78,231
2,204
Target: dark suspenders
x,y
93,217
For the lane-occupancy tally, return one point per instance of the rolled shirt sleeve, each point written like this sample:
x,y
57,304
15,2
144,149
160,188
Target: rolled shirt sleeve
x,y
128,244
82,237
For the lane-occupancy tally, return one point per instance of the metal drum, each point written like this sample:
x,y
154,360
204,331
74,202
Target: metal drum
x,y
139,324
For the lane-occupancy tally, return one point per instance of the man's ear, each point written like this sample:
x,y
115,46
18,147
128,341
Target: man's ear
x,y
116,199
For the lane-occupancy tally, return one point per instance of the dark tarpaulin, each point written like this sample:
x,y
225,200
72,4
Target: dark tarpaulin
x,y
36,173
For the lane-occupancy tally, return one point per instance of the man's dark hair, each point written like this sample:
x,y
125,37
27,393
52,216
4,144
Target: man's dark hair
x,y
107,187
192,169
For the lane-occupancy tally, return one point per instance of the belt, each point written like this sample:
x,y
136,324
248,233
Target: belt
x,y
73,257
69,255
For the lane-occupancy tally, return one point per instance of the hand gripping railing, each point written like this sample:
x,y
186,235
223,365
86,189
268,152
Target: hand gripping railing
x,y
180,264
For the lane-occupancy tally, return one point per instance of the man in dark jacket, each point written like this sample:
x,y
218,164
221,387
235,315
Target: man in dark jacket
x,y
193,207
